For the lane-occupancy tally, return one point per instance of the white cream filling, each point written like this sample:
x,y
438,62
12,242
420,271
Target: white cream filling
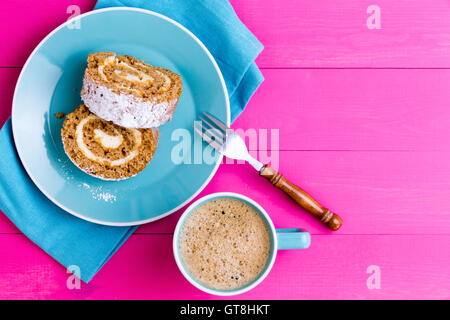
x,y
132,77
107,140
140,78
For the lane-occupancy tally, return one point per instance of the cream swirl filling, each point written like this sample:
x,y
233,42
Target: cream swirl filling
x,y
107,141
133,75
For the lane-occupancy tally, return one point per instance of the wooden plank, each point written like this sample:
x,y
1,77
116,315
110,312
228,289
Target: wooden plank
x,y
411,267
334,33
322,33
374,192
353,109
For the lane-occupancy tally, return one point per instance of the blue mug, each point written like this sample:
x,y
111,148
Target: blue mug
x,y
280,239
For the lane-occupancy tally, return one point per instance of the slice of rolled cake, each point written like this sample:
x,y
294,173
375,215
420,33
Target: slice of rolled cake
x,y
129,92
104,149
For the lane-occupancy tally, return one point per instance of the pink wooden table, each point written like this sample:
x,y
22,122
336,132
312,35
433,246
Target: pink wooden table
x,y
364,124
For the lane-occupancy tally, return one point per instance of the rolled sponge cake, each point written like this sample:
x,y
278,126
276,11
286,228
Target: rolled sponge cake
x,y
104,149
129,92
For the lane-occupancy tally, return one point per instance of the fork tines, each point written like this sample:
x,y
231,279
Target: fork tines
x,y
215,131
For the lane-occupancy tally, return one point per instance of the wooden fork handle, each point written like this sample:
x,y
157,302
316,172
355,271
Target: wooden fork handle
x,y
331,220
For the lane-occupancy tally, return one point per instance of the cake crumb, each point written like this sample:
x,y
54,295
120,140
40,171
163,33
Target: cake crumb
x,y
59,115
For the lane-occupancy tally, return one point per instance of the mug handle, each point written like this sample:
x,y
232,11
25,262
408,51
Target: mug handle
x,y
293,239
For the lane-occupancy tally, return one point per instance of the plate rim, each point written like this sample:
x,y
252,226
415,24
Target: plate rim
x,y
13,125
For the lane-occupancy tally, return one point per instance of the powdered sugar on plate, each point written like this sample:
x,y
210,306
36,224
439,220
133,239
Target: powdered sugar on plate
x,y
98,193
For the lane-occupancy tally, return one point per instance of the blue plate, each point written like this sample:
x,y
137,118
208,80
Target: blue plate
x,y
50,82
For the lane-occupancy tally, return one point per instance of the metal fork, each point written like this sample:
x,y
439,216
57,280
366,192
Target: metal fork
x,y
230,144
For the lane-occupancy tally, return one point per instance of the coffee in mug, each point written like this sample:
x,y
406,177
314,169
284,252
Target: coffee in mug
x,y
225,244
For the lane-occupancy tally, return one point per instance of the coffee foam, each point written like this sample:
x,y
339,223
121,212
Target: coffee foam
x,y
225,244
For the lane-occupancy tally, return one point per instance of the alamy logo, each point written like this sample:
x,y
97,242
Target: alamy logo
x,y
374,280
262,145
73,281
374,20
74,20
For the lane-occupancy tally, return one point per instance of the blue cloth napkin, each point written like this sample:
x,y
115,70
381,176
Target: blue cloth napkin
x,y
216,24
72,241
